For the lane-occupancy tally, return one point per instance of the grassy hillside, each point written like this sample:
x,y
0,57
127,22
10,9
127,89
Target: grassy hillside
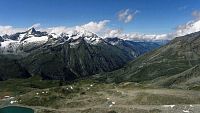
x,y
188,79
179,55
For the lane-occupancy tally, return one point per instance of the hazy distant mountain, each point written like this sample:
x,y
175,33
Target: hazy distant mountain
x,y
132,47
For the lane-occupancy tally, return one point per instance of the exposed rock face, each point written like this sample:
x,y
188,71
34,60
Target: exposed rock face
x,y
1,39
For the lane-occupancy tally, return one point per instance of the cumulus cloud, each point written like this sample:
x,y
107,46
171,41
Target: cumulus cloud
x,y
113,33
95,26
127,15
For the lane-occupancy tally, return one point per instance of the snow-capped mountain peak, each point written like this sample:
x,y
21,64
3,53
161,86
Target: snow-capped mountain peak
x,y
88,36
32,39
31,31
77,34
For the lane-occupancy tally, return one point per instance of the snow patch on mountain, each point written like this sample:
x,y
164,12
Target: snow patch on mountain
x,y
9,46
8,43
42,39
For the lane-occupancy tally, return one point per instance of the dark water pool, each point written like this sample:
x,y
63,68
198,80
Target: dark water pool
x,y
16,109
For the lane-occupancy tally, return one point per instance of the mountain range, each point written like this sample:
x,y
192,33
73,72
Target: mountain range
x,y
65,56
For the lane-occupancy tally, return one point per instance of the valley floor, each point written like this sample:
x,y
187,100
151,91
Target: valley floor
x,y
88,96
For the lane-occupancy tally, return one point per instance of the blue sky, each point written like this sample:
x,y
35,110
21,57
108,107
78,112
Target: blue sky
x,y
153,17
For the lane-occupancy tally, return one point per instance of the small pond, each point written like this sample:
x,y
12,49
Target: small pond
x,y
16,109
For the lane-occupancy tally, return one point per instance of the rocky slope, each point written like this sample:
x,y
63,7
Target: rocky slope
x,y
64,62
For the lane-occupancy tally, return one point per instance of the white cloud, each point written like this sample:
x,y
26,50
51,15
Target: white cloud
x,y
126,16
190,27
113,33
58,29
10,30
128,19
196,14
135,36
95,26
37,25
